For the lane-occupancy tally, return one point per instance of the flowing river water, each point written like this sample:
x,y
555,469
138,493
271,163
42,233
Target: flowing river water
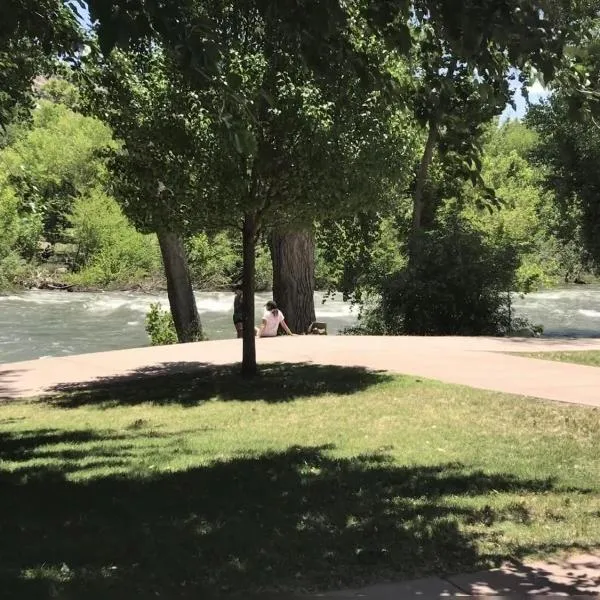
x,y
39,324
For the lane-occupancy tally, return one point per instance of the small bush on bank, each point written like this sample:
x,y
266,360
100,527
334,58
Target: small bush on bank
x,y
160,327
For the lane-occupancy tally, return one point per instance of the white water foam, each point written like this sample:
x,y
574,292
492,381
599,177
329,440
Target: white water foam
x,y
592,314
111,304
40,298
220,304
107,302
335,312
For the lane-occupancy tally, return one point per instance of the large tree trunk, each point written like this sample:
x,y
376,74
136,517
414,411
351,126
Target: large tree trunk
x,y
422,175
249,368
293,256
412,308
179,288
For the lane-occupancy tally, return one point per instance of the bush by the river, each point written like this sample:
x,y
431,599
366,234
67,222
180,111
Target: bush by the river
x,y
159,326
455,284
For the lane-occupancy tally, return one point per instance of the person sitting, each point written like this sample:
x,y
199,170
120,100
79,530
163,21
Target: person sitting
x,y
271,321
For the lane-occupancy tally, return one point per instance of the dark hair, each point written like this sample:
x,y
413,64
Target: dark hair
x,y
271,305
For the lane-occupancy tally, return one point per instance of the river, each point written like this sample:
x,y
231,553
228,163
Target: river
x,y
38,324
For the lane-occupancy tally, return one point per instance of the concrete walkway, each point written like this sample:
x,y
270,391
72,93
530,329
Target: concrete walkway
x,y
484,363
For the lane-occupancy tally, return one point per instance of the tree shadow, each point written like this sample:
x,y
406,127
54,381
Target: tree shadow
x,y
190,384
7,376
293,520
555,578
28,443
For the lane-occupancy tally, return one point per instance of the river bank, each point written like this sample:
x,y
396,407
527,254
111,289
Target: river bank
x,y
50,283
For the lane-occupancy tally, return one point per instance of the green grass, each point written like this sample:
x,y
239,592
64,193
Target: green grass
x,y
580,357
201,485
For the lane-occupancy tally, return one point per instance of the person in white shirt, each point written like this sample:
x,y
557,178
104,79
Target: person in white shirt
x,y
271,321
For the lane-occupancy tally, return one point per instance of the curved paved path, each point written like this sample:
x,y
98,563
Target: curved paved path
x,y
484,363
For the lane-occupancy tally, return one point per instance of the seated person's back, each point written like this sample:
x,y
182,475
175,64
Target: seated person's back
x,y
273,319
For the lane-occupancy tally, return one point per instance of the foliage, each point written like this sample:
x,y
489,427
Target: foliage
x,y
215,262
161,176
358,253
52,172
263,268
160,327
59,90
54,161
523,220
484,35
302,147
32,35
520,239
12,271
457,285
11,228
9,217
569,150
108,249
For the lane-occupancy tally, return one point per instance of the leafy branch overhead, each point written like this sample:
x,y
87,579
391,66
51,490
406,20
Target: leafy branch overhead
x,y
32,34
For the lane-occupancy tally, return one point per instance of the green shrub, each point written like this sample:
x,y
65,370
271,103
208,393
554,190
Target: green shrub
x,y
12,230
54,160
109,251
31,229
264,269
12,271
9,218
355,255
216,262
160,327
213,260
456,284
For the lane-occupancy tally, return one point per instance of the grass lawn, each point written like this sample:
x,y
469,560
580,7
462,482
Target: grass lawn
x,y
580,357
200,485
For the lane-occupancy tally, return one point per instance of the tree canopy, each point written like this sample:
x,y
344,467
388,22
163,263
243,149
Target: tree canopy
x,y
33,35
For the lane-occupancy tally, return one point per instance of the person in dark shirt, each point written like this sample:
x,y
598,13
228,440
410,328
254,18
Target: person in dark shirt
x,y
238,312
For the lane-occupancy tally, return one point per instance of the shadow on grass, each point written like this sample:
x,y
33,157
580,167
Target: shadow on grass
x,y
292,520
190,384
7,377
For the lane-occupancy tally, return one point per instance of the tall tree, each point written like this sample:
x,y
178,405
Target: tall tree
x,y
277,111
214,46
461,58
569,149
160,175
569,145
356,155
